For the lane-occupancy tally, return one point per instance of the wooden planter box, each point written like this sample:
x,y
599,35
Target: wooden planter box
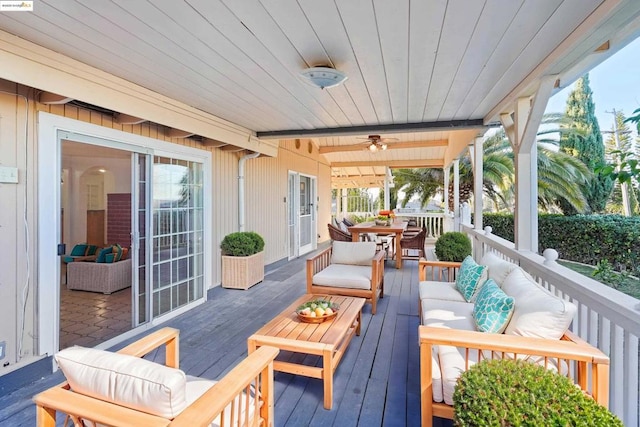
x,y
242,272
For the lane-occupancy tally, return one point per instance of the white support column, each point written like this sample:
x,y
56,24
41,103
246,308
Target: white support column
x,y
478,178
344,203
456,195
387,178
521,129
445,196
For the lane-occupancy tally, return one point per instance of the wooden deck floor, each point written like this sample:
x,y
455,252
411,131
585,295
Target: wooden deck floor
x,y
376,384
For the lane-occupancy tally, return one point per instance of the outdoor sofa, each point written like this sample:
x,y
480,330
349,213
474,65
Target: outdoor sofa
x,y
536,330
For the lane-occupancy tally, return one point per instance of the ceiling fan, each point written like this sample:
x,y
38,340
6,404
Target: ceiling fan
x,y
375,143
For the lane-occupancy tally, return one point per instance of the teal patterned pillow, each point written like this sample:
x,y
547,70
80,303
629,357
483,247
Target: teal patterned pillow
x,y
492,309
470,276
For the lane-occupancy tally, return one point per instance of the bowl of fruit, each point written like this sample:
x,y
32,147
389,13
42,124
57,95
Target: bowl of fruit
x,y
317,311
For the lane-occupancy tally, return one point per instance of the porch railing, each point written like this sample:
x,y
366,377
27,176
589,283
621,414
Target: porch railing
x,y
606,318
434,222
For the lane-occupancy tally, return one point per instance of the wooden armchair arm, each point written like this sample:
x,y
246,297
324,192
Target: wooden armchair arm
x,y
214,401
148,343
587,358
317,263
438,269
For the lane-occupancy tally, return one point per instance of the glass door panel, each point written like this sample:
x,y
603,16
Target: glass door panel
x,y
178,234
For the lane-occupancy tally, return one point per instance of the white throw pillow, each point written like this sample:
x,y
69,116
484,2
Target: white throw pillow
x,y
537,312
353,253
125,380
497,267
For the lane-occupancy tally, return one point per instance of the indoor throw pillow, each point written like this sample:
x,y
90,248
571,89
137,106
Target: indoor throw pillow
x,y
470,276
493,308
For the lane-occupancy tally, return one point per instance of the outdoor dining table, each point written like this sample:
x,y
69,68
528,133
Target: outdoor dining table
x,y
396,227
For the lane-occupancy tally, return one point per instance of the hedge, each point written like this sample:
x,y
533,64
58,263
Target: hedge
x,y
582,238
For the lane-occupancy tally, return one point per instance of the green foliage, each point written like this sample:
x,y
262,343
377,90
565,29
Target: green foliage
x,y
453,246
587,239
605,273
519,393
586,145
242,243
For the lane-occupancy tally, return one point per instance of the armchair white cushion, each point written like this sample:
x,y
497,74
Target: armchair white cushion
x,y
126,380
353,253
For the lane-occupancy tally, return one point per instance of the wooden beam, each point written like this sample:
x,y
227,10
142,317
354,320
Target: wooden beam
x,y
394,164
53,98
603,47
231,148
213,143
447,125
126,119
390,146
177,133
536,112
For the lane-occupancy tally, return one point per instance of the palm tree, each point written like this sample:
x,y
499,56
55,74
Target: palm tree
x,y
560,176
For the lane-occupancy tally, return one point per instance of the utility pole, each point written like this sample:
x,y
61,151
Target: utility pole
x,y
626,206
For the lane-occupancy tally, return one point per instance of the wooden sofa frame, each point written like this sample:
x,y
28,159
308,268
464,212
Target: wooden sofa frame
x,y
254,371
322,260
588,366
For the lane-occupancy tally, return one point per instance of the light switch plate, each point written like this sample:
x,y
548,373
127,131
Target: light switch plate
x,y
8,174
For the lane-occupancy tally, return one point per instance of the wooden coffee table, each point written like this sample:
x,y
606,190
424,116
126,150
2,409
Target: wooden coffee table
x,y
328,339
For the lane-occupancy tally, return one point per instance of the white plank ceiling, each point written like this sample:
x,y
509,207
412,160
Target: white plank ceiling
x,y
407,61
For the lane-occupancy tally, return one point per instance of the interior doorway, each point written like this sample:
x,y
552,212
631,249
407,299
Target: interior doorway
x,y
96,198
142,201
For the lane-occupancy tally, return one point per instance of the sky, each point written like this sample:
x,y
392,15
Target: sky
x,y
615,84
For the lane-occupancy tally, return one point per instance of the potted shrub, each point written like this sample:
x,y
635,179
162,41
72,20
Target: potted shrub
x,y
242,260
508,392
453,246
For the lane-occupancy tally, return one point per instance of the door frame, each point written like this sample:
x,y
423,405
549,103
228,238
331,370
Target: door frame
x,y
51,130
294,203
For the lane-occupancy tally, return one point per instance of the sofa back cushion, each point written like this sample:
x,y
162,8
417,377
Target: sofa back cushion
x,y
470,277
353,253
102,255
497,268
537,313
79,250
492,309
125,380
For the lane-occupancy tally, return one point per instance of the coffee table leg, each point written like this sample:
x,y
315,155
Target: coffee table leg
x,y
327,377
359,323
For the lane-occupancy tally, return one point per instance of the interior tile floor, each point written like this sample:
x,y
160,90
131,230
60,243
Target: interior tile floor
x,y
90,318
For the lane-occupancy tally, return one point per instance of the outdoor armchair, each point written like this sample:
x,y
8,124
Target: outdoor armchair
x,y
338,235
352,269
123,389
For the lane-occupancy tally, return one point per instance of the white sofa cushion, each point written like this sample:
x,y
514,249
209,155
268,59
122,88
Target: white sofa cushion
x,y
353,253
498,269
470,277
344,276
448,314
439,291
492,309
125,380
537,312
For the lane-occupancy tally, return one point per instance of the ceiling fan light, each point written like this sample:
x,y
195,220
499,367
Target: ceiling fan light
x,y
323,76
373,147
383,146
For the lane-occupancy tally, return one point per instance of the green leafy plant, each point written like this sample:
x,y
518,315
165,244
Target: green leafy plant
x,y
519,393
587,239
242,243
605,273
453,246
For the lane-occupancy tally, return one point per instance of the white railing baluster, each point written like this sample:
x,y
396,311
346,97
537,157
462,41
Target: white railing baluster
x,y
631,377
616,387
593,328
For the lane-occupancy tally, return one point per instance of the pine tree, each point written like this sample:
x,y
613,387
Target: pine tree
x,y
613,148
586,145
